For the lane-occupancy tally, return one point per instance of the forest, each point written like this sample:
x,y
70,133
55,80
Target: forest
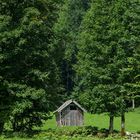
x,y
55,50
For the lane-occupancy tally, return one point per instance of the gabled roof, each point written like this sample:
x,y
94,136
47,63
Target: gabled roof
x,y
68,103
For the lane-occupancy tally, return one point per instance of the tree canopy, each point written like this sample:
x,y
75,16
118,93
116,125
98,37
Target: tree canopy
x,y
28,71
52,50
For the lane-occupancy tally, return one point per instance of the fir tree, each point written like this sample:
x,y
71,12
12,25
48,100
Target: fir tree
x,y
66,30
28,71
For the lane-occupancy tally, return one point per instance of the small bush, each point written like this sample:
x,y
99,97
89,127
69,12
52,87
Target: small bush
x,y
91,130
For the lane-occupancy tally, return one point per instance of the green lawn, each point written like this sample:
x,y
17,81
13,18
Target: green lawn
x,y
49,131
101,121
132,121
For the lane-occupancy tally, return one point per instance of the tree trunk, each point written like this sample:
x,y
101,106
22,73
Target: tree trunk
x,y
133,103
1,126
123,124
111,124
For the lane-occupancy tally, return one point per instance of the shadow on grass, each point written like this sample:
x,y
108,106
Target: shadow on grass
x,y
65,131
21,134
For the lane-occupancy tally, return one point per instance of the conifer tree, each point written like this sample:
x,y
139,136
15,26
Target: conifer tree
x,y
107,40
66,30
28,73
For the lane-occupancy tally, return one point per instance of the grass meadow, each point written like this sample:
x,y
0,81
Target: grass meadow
x,y
49,131
102,121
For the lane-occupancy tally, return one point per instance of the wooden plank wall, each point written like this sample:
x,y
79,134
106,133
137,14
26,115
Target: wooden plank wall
x,y
70,117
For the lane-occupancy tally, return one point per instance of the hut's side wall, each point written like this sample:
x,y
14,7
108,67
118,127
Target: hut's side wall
x,y
57,115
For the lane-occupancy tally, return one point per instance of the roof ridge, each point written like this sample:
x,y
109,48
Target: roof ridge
x,y
66,103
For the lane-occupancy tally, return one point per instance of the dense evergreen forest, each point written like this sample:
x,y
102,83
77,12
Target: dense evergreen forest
x,y
55,50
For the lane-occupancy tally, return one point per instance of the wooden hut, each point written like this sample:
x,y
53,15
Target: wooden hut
x,y
70,114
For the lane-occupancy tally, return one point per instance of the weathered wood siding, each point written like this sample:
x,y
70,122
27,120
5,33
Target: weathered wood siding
x,y
68,117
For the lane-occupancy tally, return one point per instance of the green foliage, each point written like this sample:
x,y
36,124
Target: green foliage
x,y
66,30
28,73
107,41
81,133
133,71
48,47
95,69
54,137
4,104
51,131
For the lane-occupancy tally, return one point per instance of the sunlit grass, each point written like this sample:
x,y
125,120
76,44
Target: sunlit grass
x,y
102,121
